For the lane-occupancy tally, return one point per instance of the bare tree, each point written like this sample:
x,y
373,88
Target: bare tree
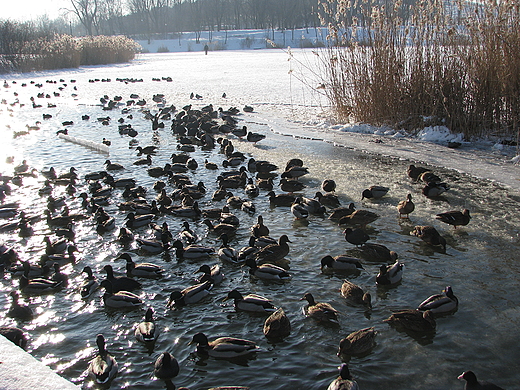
x,y
87,13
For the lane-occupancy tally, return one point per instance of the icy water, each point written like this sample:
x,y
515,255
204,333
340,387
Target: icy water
x,y
480,263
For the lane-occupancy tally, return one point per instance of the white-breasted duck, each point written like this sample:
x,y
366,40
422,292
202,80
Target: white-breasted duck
x,y
146,331
223,347
390,274
374,192
455,218
103,368
192,251
89,284
344,381
143,270
267,271
251,302
120,283
443,303
189,295
214,274
121,299
341,263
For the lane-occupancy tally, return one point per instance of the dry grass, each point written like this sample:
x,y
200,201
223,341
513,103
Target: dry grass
x,y
463,73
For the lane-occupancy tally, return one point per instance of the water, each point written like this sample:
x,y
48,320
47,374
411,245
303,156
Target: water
x,y
480,263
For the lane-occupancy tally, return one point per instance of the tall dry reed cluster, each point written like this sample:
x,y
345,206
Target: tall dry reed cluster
x,y
65,51
444,63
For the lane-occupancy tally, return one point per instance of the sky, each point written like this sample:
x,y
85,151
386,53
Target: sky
x,y
22,10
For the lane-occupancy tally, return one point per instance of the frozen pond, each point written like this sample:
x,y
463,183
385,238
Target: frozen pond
x,y
480,263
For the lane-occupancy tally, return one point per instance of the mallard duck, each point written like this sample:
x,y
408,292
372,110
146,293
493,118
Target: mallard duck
x,y
110,166
254,137
344,381
299,210
358,342
328,199
56,246
430,235
374,192
223,347
355,294
125,236
328,185
58,276
414,172
120,283
187,235
259,229
390,274
249,251
146,331
356,236
192,212
273,252
414,320
151,246
189,295
265,184
14,335
221,228
340,212
146,150
281,199
312,205
136,221
455,218
20,312
192,251
37,286
359,218
225,252
251,302
433,189
144,270
103,368
341,263
144,161
291,185
321,311
378,252
89,284
213,275
119,299
210,165
440,303
267,271
61,258
429,177
294,172
405,207
251,189
473,384
277,325
166,367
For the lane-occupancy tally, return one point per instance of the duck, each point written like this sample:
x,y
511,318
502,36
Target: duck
x,y
473,384
273,252
192,294
223,347
344,381
191,251
281,199
248,251
210,165
359,342
120,283
378,252
359,218
18,311
434,189
146,150
328,199
221,228
62,259
254,137
328,185
340,212
187,235
259,229
151,246
406,207
355,294
136,221
212,274
251,302
103,368
166,367
37,286
321,311
413,320
146,331
295,172
374,192
57,246
299,210
119,299
89,284
58,276
225,252
110,166
443,303
341,263
390,274
429,177
144,270
192,212
251,189
291,185
414,172
313,206
356,236
125,236
430,235
267,271
144,161
455,218
277,325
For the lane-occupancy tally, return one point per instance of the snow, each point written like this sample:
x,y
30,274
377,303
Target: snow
x,y
20,371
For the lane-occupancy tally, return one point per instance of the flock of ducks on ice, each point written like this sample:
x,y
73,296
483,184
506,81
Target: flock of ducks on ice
x,y
208,129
